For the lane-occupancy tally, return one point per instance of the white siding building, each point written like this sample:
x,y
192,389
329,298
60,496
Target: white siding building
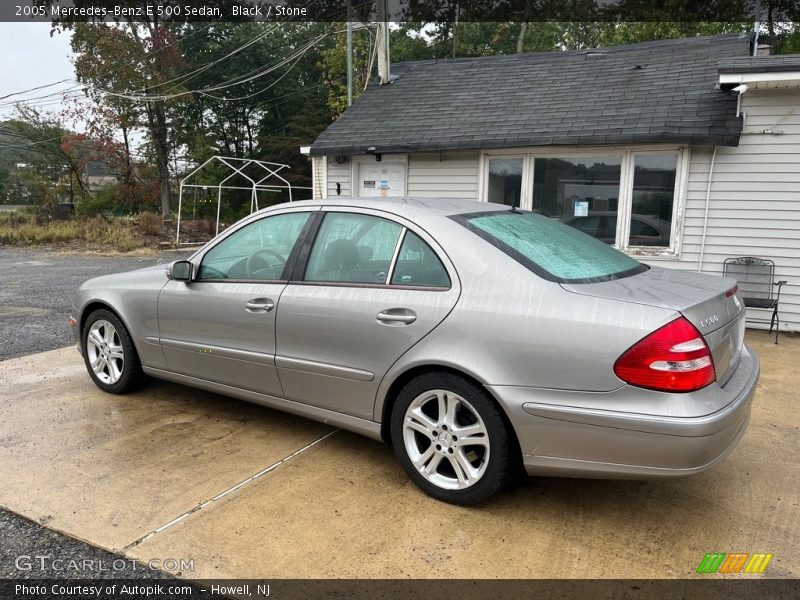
x,y
685,186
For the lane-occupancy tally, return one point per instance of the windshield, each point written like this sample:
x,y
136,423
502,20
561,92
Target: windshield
x,y
549,248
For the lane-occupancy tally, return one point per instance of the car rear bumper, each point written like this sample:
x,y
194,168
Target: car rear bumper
x,y
594,442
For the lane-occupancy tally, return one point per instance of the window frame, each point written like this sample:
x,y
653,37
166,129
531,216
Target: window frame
x,y
298,273
627,155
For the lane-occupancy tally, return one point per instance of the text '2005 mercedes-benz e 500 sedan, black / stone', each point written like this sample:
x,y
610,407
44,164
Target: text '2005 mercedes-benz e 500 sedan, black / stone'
x,y
471,337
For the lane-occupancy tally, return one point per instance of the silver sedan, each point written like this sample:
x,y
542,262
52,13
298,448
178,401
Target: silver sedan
x,y
472,338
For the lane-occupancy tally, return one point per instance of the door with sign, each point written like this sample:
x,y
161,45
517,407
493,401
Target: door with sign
x,y
381,179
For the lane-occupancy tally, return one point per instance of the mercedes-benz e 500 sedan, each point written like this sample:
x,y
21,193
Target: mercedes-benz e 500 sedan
x,y
469,336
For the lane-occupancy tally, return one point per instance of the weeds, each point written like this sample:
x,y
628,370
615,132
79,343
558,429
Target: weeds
x,y
20,229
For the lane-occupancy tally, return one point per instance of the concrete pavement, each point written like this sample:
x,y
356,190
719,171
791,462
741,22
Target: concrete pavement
x,y
245,491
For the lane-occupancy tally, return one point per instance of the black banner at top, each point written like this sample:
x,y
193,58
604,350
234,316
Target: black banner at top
x,y
399,10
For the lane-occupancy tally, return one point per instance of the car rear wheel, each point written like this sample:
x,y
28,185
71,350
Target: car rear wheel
x,y
110,355
451,438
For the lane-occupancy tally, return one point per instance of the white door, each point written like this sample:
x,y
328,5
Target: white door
x,y
381,179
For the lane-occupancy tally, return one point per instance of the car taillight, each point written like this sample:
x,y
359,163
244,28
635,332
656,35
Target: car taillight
x,y
674,358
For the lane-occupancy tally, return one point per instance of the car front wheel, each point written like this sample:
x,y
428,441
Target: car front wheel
x,y
110,355
451,438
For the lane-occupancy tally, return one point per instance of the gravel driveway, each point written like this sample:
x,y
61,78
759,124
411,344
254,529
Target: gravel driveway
x,y
36,294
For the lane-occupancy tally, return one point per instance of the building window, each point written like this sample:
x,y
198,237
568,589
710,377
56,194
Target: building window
x,y
505,181
653,199
580,191
626,197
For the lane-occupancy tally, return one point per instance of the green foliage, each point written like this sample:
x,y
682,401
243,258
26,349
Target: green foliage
x,y
102,202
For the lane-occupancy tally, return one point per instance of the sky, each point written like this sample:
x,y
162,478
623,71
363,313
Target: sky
x,y
29,57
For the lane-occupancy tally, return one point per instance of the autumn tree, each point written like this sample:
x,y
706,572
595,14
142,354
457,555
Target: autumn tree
x,y
56,157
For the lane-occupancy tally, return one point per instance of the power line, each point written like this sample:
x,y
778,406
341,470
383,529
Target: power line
x,y
111,72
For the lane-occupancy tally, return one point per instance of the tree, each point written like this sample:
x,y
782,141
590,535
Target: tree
x,y
55,157
151,45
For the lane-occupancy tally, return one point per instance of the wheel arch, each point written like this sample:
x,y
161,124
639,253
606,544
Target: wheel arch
x,y
403,378
94,305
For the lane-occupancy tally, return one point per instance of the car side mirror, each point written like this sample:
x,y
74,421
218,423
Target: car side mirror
x,y
181,271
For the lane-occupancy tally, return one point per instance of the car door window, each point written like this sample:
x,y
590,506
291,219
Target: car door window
x,y
353,248
418,265
256,252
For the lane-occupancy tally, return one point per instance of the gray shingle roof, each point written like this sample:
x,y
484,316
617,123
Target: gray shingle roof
x,y
760,64
654,92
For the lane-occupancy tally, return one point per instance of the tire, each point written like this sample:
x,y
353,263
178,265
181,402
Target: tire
x,y
107,343
467,471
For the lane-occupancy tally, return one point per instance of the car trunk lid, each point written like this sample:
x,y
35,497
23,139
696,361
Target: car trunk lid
x,y
709,302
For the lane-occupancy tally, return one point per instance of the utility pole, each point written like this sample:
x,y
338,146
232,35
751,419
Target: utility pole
x,y
756,27
349,53
382,42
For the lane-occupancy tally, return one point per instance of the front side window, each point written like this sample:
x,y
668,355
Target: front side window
x,y
550,248
258,251
353,248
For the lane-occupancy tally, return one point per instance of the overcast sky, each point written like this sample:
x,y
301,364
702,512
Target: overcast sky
x,y
29,57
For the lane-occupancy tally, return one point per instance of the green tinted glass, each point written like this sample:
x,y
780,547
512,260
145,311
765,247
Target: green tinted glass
x,y
353,248
256,252
418,265
551,249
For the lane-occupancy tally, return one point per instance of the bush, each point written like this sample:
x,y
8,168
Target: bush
x,y
22,230
149,223
103,202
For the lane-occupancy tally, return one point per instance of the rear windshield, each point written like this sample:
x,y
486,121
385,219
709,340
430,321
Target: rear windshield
x,y
549,248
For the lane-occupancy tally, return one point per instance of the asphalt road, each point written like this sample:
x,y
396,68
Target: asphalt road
x,y
36,294
30,551
35,299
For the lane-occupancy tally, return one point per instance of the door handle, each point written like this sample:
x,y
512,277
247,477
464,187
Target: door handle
x,y
259,305
397,315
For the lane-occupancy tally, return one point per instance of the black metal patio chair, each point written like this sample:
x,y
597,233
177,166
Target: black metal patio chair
x,y
756,279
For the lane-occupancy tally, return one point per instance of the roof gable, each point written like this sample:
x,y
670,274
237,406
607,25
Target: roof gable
x,y
654,92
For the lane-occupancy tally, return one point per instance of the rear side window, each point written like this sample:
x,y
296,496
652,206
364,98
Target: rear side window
x,y
418,265
353,248
550,248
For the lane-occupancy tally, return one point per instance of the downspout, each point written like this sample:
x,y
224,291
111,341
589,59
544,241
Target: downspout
x,y
705,218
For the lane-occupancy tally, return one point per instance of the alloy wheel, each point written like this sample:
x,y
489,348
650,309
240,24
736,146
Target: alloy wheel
x,y
104,349
446,439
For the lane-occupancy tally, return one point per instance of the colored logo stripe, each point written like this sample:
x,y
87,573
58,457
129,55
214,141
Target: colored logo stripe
x,y
758,563
711,562
734,562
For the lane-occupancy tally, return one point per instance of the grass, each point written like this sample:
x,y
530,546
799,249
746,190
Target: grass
x,y
120,234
